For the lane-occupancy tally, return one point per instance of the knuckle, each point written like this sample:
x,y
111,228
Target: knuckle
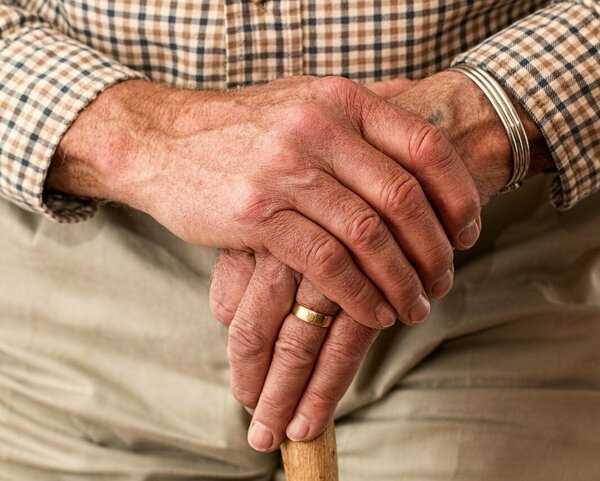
x,y
227,258
375,112
323,399
468,206
403,197
221,310
305,181
346,354
255,205
276,408
303,119
473,200
359,292
259,208
439,257
243,395
346,94
246,344
337,85
436,260
429,148
367,231
407,285
270,270
294,353
326,257
279,157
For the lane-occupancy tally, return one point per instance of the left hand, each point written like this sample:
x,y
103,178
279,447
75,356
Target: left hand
x,y
273,354
289,370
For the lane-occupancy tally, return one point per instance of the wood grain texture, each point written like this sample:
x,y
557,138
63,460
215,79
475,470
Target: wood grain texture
x,y
312,461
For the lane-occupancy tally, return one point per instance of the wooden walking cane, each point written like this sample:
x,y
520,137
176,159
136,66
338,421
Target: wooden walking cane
x,y
312,461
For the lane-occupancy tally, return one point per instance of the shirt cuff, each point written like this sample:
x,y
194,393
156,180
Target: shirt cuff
x,y
46,80
549,63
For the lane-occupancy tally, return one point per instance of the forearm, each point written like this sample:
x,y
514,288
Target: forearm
x,y
107,152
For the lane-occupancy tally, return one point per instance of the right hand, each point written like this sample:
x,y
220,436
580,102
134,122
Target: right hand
x,y
310,170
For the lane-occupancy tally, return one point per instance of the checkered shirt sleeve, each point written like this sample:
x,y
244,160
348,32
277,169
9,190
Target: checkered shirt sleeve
x,y
56,56
46,79
550,62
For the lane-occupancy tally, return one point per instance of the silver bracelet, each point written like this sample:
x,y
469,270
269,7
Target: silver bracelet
x,y
510,119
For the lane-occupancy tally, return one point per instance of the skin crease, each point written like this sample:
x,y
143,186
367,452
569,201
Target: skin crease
x,y
476,131
288,367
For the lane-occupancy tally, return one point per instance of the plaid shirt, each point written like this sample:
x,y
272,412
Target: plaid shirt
x,y
57,55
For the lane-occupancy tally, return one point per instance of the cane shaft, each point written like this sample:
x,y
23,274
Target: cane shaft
x,y
312,461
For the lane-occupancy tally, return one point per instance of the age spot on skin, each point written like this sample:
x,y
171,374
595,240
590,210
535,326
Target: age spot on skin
x,y
437,117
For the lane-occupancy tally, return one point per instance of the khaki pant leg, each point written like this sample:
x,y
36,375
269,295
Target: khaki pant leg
x,y
503,381
111,365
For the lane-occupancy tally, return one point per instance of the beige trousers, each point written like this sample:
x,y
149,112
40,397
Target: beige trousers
x,y
112,367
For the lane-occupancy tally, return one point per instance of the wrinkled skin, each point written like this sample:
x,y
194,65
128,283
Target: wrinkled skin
x,y
282,366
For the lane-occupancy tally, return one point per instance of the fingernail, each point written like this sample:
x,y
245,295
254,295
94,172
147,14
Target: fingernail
x,y
249,410
420,310
443,284
260,436
298,429
469,235
385,314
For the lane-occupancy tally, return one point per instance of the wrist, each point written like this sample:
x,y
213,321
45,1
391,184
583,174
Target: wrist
x,y
457,106
109,151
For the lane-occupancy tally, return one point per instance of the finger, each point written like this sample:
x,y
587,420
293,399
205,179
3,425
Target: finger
x,y
391,88
397,196
254,328
305,247
230,279
426,153
366,235
296,350
340,357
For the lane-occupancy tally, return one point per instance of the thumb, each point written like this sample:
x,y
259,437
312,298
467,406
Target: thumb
x,y
391,88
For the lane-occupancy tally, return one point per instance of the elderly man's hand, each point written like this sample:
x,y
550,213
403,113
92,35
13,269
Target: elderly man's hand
x,y
326,176
284,367
273,354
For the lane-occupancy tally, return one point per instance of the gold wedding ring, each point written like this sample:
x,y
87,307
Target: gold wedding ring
x,y
312,317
